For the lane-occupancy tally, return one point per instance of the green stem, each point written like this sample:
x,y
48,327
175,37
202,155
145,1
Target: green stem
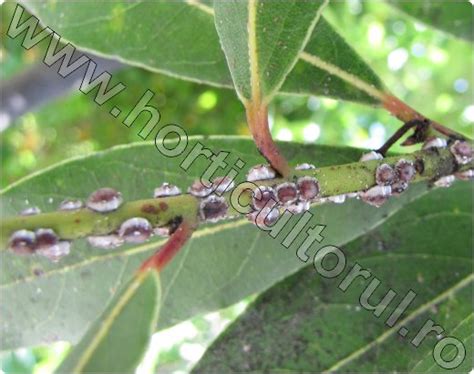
x,y
333,180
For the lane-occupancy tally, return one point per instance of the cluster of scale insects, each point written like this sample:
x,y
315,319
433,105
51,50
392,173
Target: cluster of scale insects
x,y
268,201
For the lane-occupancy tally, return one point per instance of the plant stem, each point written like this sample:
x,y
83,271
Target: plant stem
x,y
422,125
333,180
257,118
166,253
406,114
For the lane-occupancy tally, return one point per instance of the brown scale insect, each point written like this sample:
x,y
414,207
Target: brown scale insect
x,y
135,230
70,205
104,200
30,211
262,196
308,188
198,189
462,151
163,231
372,155
260,172
287,193
445,181
298,207
265,217
55,252
22,242
399,187
465,175
337,199
405,170
222,184
47,244
385,175
376,195
352,195
435,143
105,241
45,238
165,190
305,166
213,208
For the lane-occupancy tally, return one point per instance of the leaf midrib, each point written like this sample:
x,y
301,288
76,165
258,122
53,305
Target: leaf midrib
x,y
387,334
464,341
311,59
107,323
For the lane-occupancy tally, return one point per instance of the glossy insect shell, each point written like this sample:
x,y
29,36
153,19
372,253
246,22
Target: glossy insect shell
x,y
55,252
262,196
338,199
399,187
266,217
213,208
372,155
465,175
198,189
385,175
222,184
45,238
22,242
298,207
462,151
260,172
105,241
435,143
445,181
135,230
104,200
287,193
405,170
308,188
165,190
376,195
70,205
31,211
305,166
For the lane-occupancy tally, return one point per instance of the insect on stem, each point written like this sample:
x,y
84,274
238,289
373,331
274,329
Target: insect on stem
x,y
164,255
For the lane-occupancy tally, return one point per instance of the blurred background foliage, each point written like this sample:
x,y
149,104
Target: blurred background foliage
x,y
426,68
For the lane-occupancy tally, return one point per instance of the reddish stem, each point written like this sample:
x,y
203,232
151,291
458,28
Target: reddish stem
x,y
175,242
406,113
257,118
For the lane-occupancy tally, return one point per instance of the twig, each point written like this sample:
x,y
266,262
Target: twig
x,y
175,242
420,131
333,180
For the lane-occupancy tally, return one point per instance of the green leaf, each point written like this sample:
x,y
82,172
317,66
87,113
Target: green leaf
x,y
262,41
223,262
330,67
307,324
161,36
463,331
117,340
453,17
